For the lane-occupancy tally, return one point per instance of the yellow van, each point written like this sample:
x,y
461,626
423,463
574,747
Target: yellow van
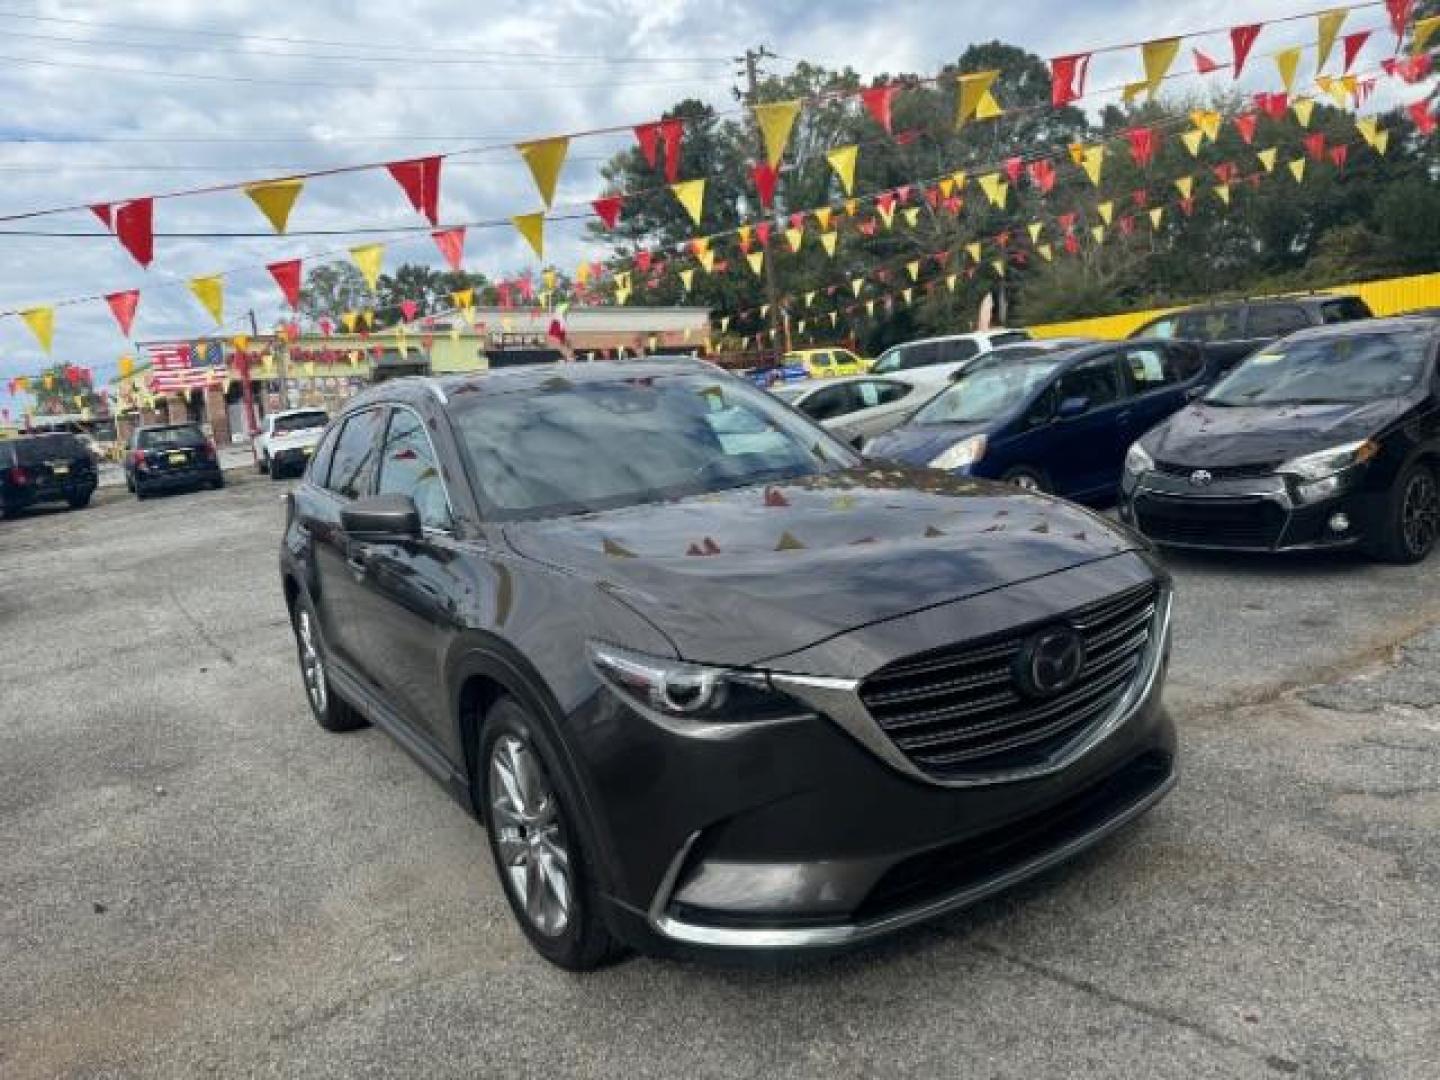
x,y
826,363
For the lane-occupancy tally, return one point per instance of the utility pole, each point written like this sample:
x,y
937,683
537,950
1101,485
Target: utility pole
x,y
778,320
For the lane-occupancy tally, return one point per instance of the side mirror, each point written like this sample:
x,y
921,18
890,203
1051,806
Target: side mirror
x,y
382,517
1072,407
857,443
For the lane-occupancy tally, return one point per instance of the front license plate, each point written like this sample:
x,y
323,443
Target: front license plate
x,y
177,459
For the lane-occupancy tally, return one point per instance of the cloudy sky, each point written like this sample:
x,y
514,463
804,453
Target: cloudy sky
x,y
125,98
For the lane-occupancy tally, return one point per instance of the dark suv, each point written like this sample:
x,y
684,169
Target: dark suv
x,y
709,679
45,469
1232,331
169,456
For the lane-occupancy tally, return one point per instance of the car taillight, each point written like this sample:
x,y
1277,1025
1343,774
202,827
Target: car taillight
x,y
137,458
18,476
208,450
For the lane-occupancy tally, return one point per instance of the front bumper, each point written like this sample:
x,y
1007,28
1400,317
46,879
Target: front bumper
x,y
799,834
1246,515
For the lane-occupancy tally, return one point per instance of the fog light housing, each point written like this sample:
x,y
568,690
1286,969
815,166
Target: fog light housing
x,y
1339,523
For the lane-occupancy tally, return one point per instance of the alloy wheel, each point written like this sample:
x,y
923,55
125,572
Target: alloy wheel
x,y
312,664
1420,514
529,836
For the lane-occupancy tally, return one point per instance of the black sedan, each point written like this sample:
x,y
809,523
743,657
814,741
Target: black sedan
x,y
709,679
171,456
1328,438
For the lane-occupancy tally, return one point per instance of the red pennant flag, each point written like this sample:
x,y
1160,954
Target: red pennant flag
x,y
1242,38
408,308
135,229
1245,125
1188,206
1142,145
744,243
1013,168
420,180
903,193
123,306
642,261
287,276
1072,244
1423,117
451,243
1067,78
1315,145
1339,155
954,204
886,202
1127,225
932,196
877,102
1274,106
797,219
764,176
1140,197
647,135
1203,64
1353,43
1067,222
607,209
905,138
102,211
762,233
672,132
1225,172
1400,12
1042,175
1412,69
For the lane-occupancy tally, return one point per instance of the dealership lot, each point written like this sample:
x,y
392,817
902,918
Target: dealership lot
x,y
194,877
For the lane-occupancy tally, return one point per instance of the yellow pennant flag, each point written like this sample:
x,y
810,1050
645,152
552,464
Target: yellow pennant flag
x,y
1382,141
1186,186
1157,215
856,284
870,308
809,298
1424,31
834,317
912,216
707,260
349,319
1046,252
913,269
973,250
622,295
852,207
994,188
691,194
959,176
827,241
1267,159
1098,234
776,120
1131,92
368,258
887,215
764,311
1106,210
1328,26
800,327
275,199
687,278
41,321
1077,152
725,324
744,233
464,298
1222,192
1288,63
822,218
974,89
549,277
950,280
998,265
1157,57
210,291
1094,159
908,294
532,228
989,108
1304,109
1192,140
1297,169
795,237
1035,228
545,157
1208,121
757,262
1369,129
947,187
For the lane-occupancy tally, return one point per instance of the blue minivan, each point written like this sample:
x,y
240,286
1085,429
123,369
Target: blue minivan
x,y
1058,420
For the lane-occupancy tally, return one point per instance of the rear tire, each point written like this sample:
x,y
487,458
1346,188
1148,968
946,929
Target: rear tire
x,y
1411,522
330,711
79,502
539,854
140,492
218,483
1027,479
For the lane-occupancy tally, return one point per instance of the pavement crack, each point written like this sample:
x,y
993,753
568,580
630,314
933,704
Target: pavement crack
x,y
198,626
1276,1062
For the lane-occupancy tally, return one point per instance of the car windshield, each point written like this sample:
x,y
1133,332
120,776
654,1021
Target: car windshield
x,y
161,438
571,447
1341,369
989,390
301,421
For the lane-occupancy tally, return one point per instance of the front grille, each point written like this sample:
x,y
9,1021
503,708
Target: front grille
x,y
1210,522
960,709
1218,472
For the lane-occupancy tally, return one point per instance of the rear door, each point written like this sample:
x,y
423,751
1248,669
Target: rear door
x,y
1157,375
1085,452
881,405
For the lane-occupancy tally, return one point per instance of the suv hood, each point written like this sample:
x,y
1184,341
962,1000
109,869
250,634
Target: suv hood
x,y
740,576
1205,436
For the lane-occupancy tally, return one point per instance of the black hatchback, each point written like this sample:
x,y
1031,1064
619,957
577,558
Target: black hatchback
x,y
170,456
1327,438
49,468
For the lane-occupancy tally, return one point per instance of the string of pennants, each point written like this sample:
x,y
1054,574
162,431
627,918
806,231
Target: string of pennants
x,y
660,142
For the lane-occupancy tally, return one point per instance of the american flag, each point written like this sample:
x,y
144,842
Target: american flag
x,y
179,365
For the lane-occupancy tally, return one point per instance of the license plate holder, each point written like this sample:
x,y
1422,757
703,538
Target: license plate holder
x,y
177,458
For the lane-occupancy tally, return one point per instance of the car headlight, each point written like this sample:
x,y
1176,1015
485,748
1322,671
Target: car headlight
x,y
1323,463
683,691
963,453
1137,461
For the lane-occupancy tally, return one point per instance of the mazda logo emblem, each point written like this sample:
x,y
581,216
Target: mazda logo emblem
x,y
1201,478
1050,661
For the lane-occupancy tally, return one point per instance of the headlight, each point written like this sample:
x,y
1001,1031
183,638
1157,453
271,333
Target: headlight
x,y
684,691
1325,463
963,453
1137,461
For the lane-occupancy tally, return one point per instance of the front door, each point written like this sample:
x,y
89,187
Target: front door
x,y
1085,451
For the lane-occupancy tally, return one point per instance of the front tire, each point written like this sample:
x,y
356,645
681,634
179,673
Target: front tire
x,y
539,856
1411,523
330,711
79,502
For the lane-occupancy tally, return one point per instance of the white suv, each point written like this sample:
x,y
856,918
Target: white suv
x,y
288,439
952,349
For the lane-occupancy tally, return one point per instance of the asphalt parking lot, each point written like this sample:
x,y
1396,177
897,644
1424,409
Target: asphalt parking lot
x,y
195,879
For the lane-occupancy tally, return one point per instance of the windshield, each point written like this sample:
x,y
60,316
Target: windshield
x,y
570,447
160,438
991,389
301,421
1344,369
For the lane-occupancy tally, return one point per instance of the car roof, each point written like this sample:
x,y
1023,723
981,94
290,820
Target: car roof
x,y
974,335
292,412
1358,327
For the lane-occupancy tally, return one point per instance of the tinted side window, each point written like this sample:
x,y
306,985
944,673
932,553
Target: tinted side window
x,y
353,467
1095,380
1146,369
1276,320
920,355
1185,361
408,466
952,352
1160,328
1209,324
820,359
1009,336
319,470
831,402
1344,310
886,392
